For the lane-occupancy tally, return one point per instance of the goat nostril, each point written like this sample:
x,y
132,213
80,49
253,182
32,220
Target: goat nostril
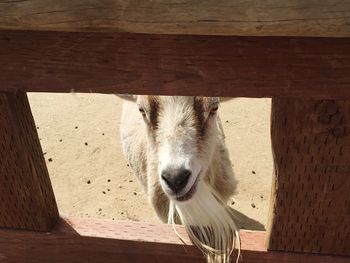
x,y
167,178
183,178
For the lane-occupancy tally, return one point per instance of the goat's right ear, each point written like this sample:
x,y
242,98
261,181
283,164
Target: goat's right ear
x,y
127,97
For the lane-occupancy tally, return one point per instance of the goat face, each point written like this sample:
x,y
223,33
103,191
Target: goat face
x,y
182,133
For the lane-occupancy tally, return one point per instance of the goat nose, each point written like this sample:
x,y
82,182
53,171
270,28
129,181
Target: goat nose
x,y
176,179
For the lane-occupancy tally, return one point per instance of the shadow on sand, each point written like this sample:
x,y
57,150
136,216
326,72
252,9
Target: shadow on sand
x,y
244,222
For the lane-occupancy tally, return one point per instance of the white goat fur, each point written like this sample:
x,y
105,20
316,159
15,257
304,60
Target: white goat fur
x,y
175,139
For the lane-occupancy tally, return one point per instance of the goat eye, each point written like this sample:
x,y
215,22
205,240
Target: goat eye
x,y
214,110
142,111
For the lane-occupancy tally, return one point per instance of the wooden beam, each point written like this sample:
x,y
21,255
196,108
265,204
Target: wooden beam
x,y
26,197
254,17
311,201
89,240
171,64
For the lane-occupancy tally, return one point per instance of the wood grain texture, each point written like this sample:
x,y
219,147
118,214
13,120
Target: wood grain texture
x,y
311,200
206,17
26,197
95,241
170,64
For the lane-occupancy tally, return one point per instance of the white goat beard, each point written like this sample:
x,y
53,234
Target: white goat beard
x,y
209,224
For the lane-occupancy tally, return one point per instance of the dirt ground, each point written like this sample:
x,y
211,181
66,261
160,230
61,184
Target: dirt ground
x,y
79,135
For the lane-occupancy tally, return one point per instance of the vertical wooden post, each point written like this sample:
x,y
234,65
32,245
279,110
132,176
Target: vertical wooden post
x,y
26,196
310,209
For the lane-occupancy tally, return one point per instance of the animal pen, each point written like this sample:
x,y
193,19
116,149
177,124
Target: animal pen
x,y
296,52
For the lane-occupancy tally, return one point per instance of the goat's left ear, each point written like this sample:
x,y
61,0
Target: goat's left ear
x,y
224,99
127,97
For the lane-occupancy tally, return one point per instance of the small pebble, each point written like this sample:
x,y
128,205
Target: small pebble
x,y
108,180
50,159
122,213
37,128
253,172
127,165
103,134
108,189
113,218
261,196
233,202
226,121
130,181
88,182
253,205
76,127
61,140
104,192
120,186
135,193
86,143
100,209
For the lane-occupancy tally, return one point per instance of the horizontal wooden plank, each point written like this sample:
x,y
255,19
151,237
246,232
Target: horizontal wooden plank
x,y
91,240
175,65
249,17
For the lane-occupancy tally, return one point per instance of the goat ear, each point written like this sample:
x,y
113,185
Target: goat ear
x,y
127,97
224,99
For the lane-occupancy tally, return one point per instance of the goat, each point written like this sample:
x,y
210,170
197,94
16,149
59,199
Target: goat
x,y
176,148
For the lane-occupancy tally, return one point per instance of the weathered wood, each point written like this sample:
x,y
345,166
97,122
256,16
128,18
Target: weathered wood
x,y
26,197
168,64
95,241
311,200
253,17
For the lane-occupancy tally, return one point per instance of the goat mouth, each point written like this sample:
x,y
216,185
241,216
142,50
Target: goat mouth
x,y
188,194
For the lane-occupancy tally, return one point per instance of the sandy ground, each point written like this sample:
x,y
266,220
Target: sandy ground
x,y
79,135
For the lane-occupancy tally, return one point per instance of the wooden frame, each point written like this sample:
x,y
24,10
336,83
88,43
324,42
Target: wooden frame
x,y
207,17
174,64
77,239
26,196
292,49
309,211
